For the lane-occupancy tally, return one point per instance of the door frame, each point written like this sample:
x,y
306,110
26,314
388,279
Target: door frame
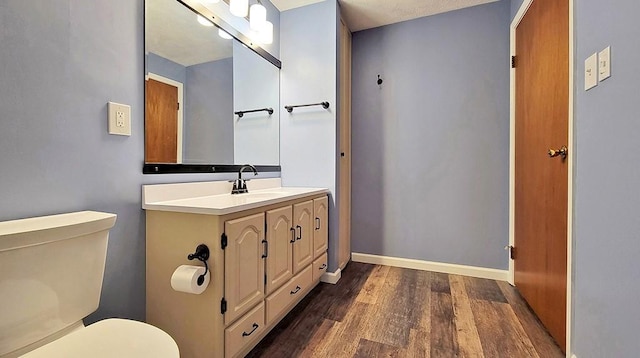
x,y
344,202
180,87
570,160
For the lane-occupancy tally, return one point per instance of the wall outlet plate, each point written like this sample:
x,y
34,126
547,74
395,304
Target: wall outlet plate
x,y
604,64
590,72
119,119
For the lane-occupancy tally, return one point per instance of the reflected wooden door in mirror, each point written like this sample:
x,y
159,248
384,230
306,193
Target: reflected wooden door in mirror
x,y
161,122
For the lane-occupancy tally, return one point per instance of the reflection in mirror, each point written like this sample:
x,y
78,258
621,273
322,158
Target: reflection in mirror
x,y
195,82
255,86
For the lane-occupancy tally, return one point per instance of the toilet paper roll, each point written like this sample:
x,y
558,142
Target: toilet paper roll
x,y
185,279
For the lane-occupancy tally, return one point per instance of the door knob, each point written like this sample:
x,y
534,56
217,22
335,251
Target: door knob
x,y
562,152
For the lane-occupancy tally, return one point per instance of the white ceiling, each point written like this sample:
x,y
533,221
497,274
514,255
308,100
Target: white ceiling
x,y
366,14
173,32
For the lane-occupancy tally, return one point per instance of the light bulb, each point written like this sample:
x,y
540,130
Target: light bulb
x,y
224,34
239,7
203,21
254,36
266,33
257,16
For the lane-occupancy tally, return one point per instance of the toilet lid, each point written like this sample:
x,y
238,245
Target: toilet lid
x,y
111,338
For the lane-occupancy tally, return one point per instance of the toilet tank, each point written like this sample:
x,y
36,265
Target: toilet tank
x,y
51,271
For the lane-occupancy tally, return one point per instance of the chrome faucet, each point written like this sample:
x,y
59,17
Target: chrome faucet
x,y
240,185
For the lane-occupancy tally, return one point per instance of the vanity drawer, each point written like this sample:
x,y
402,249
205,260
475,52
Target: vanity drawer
x,y
244,332
280,300
319,267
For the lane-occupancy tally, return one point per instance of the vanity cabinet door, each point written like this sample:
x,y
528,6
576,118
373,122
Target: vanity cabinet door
x,y
320,226
280,238
303,225
243,265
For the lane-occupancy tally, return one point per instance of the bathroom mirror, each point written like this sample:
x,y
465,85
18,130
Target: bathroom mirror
x,y
195,84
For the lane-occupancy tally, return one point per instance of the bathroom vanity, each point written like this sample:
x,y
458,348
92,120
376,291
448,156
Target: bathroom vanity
x,y
268,249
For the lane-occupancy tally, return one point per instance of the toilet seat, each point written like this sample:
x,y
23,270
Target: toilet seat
x,y
111,338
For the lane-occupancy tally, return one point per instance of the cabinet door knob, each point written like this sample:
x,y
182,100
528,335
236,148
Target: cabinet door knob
x,y
317,223
299,228
293,235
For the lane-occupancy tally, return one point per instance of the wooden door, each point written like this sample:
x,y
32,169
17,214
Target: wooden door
x,y
243,265
303,247
161,123
541,123
320,226
344,197
280,238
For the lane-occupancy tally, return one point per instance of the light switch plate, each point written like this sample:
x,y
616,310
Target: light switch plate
x,y
119,119
590,72
604,64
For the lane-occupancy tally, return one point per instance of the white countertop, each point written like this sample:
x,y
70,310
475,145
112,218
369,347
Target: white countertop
x,y
215,198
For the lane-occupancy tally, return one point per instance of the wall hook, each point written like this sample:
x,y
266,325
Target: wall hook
x,y
379,80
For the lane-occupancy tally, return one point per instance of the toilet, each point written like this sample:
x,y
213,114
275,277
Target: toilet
x,y
51,271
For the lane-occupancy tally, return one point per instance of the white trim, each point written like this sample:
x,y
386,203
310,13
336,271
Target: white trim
x,y
512,131
180,86
473,271
571,144
570,170
331,277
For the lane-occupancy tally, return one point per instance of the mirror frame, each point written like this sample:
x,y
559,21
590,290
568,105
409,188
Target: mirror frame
x,y
166,168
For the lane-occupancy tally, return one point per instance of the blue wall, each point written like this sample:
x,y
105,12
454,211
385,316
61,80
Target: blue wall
x,y
61,62
166,68
515,6
430,145
607,184
308,75
256,84
208,120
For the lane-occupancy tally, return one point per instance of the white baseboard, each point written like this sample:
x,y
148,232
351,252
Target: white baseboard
x,y
473,271
331,277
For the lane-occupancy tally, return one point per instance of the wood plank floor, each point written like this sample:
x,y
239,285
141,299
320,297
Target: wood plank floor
x,y
381,311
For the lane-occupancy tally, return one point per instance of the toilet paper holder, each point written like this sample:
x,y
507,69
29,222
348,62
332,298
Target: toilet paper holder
x,y
201,254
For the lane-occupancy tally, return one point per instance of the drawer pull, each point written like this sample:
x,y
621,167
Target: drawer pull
x,y
324,266
296,291
255,326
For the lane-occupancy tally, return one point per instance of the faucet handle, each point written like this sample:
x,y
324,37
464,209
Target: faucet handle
x,y
239,187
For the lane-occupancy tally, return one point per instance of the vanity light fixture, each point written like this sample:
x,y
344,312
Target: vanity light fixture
x,y
257,16
239,7
203,21
265,35
254,36
224,34
209,1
